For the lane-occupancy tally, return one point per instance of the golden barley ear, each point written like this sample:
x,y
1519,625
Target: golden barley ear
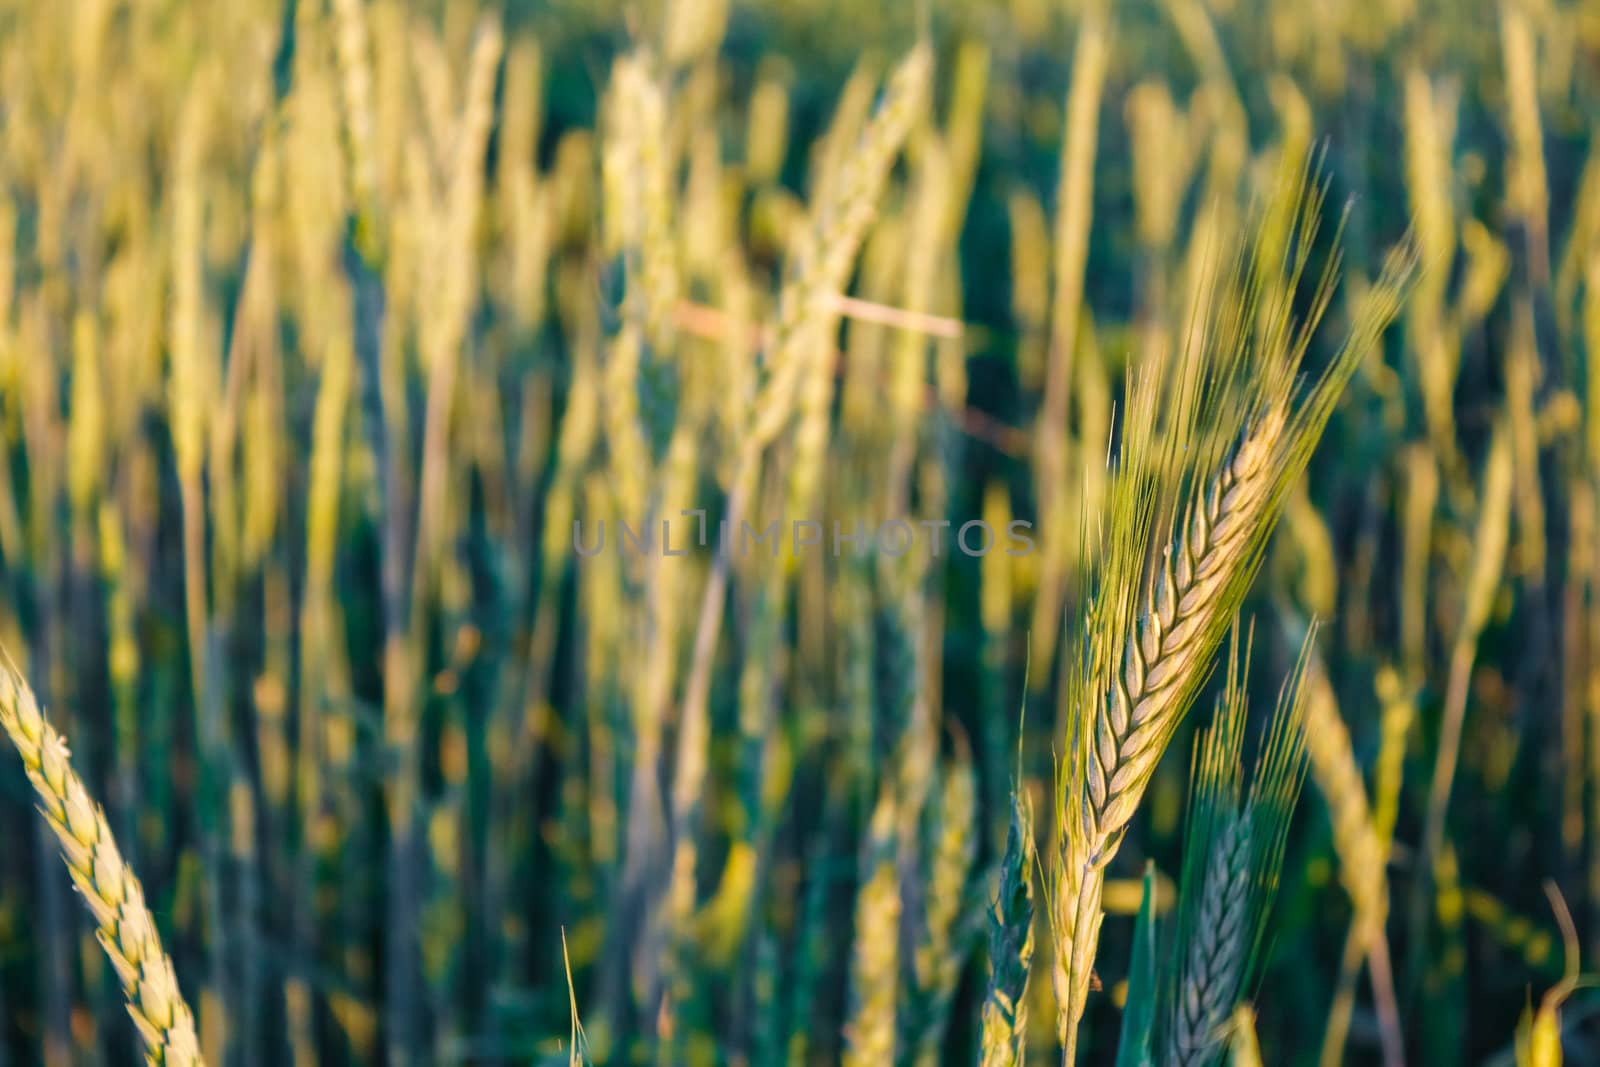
x,y
125,927
1212,440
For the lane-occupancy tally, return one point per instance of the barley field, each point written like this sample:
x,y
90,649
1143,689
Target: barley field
x,y
727,532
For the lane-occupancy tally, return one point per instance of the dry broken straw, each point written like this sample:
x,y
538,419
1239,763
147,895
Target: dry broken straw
x,y
126,930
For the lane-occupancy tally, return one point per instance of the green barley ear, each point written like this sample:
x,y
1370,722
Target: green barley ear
x,y
1213,438
1139,1010
1232,855
1005,1007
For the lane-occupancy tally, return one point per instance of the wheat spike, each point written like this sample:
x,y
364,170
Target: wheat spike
x,y
1141,707
842,211
1210,447
355,70
1528,187
1005,1007
938,957
1399,712
1214,961
1231,860
1174,638
1134,717
875,962
126,931
1361,853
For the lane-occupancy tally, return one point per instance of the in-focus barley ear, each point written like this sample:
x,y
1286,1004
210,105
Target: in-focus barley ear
x,y
1213,439
126,929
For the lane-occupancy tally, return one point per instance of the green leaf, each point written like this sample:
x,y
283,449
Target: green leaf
x,y
1139,1012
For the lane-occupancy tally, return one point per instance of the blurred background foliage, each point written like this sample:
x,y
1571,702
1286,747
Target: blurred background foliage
x,y
321,321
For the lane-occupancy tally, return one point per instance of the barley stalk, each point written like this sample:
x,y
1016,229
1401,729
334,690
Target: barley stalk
x,y
1363,857
126,929
1483,581
1580,577
1399,712
1421,498
1523,373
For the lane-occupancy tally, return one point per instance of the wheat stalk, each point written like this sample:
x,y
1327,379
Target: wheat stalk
x,y
126,931
1483,581
1363,857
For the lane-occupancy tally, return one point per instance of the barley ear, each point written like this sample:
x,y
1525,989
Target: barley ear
x,y
1232,855
1005,1006
875,960
125,927
947,927
1212,441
